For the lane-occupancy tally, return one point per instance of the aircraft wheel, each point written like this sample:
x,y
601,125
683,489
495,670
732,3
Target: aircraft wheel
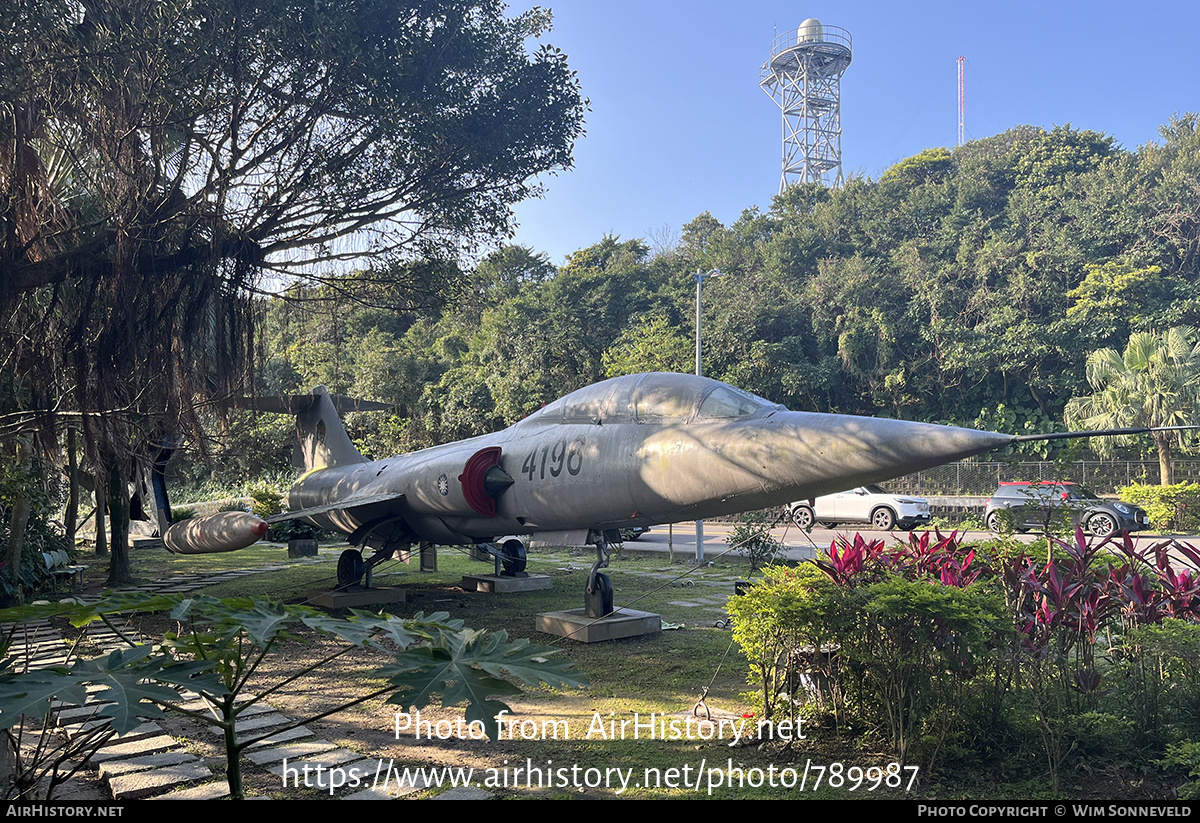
x,y
1102,525
883,519
599,601
350,568
802,516
513,556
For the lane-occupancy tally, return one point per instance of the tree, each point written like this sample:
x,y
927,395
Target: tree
x,y
652,343
1156,382
162,160
271,135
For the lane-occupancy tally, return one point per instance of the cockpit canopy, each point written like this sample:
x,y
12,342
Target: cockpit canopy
x,y
655,397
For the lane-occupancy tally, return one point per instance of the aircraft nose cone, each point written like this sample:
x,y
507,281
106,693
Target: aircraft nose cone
x,y
837,452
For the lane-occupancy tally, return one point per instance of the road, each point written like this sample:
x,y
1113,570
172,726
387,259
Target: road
x,y
799,546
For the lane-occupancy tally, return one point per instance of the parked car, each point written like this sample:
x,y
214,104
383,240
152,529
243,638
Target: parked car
x,y
1036,505
634,532
864,504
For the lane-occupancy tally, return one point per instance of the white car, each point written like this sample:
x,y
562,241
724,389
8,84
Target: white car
x,y
864,504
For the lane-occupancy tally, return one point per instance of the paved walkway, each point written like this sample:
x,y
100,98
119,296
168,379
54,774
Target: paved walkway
x,y
149,763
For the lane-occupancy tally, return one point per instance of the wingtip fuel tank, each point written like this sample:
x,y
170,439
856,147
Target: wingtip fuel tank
x,y
212,533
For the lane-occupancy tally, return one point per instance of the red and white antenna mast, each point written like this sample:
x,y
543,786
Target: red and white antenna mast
x,y
962,62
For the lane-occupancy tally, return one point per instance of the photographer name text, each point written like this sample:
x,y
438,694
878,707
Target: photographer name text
x,y
655,726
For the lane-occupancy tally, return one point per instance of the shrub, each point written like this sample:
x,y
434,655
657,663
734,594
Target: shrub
x,y
266,502
788,624
1170,508
218,647
753,536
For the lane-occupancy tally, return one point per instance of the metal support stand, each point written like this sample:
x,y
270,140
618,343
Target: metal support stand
x,y
598,599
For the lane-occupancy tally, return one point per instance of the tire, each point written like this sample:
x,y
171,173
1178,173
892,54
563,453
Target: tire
x,y
883,519
803,517
599,602
993,522
513,558
349,568
1102,524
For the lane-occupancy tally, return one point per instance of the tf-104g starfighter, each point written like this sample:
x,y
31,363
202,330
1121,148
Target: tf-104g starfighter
x,y
639,450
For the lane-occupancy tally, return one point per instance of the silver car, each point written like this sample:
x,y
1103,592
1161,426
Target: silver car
x,y
864,504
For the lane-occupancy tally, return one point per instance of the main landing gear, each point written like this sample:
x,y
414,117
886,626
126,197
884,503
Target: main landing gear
x,y
509,556
351,567
511,560
598,597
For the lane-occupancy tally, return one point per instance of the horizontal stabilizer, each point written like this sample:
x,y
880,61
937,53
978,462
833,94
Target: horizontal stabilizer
x,y
299,403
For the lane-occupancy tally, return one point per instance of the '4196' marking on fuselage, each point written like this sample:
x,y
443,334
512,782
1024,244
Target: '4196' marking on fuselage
x,y
552,459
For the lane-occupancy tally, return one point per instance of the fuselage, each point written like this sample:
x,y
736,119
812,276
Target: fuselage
x,y
638,450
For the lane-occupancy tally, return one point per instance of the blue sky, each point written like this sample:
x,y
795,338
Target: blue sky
x,y
679,126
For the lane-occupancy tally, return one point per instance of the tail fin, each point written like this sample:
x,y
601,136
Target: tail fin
x,y
321,439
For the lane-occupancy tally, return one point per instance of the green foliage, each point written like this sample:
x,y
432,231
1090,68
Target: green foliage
x,y
965,521
785,622
1173,508
752,536
1157,676
221,643
912,645
938,649
29,481
293,530
181,513
266,502
649,344
1154,382
931,165
1115,298
1186,756
1058,154
918,644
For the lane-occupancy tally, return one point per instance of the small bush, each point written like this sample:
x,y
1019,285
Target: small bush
x,y
753,536
266,501
1171,508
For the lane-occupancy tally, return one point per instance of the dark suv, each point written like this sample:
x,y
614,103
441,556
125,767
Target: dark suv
x,y
1054,505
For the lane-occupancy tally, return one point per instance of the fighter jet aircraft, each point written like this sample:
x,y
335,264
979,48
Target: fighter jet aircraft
x,y
639,450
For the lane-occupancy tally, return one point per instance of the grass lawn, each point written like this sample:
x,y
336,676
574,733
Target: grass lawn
x,y
633,733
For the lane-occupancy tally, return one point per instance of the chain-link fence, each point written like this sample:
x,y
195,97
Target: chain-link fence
x,y
971,478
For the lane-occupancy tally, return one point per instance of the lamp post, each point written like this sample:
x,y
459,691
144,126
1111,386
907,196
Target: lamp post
x,y
699,287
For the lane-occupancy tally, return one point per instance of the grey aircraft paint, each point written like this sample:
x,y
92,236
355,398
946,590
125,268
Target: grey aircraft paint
x,y
639,450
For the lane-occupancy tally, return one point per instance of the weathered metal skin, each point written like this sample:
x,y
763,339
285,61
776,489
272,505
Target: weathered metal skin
x,y
212,533
638,450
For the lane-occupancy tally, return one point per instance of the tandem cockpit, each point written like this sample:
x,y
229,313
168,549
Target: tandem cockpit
x,y
652,398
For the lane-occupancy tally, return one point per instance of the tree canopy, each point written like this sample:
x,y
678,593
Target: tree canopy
x,y
164,161
1154,382
268,136
965,286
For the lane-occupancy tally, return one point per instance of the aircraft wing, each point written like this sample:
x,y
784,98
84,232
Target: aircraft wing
x,y
341,505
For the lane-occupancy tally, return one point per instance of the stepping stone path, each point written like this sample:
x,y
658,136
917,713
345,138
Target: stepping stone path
x,y
148,763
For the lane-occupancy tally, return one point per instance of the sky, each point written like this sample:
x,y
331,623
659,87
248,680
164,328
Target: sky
x,y
679,126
